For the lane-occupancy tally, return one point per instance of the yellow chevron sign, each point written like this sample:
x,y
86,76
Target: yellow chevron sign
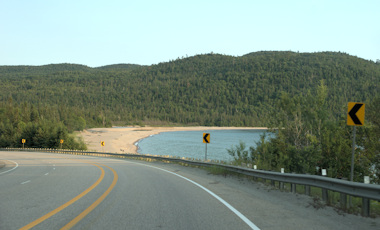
x,y
206,138
355,113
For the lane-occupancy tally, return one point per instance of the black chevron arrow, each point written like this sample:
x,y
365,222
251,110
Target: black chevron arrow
x,y
353,112
205,138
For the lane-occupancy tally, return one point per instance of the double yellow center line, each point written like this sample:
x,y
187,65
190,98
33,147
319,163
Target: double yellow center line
x,y
85,212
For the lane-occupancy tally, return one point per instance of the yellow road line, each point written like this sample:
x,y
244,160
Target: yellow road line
x,y
55,211
93,205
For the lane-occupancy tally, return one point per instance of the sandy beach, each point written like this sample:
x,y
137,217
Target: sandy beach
x,y
122,140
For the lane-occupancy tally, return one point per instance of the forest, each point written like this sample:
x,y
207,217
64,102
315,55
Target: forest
x,y
306,94
24,121
209,89
306,139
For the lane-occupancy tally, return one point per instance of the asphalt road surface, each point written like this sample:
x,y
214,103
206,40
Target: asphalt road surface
x,y
57,191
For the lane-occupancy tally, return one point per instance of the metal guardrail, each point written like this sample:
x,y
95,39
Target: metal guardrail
x,y
366,191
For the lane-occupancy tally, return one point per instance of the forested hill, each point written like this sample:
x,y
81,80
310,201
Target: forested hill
x,y
45,69
54,68
208,89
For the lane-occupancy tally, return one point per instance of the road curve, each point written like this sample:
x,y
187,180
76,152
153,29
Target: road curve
x,y
52,191
56,191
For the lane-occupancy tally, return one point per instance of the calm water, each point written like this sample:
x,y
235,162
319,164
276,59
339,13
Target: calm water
x,y
190,143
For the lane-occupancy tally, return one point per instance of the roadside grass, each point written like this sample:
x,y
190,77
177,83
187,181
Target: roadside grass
x,y
375,208
216,170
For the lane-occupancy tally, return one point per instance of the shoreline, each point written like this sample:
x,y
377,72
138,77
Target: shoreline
x,y
123,140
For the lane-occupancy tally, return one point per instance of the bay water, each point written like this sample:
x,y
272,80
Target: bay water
x,y
190,143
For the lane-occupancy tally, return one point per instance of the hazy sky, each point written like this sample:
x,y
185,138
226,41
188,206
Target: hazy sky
x,y
97,33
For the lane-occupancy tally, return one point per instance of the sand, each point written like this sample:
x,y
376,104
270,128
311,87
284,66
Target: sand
x,y
122,140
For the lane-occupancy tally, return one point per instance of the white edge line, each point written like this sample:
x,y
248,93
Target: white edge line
x,y
11,168
234,210
25,182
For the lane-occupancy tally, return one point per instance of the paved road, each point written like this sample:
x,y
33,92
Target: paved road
x,y
55,191
104,194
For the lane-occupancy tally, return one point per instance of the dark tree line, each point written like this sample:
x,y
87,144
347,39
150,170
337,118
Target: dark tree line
x,y
19,122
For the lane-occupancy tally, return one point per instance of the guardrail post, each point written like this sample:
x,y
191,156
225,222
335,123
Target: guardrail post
x,y
281,185
365,207
343,201
325,195
293,188
307,190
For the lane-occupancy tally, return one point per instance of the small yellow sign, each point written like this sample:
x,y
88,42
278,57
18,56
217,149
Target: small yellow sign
x,y
61,141
23,141
206,138
102,143
355,113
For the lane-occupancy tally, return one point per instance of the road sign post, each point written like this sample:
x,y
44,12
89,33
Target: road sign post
x,y
23,143
353,154
61,142
355,117
206,140
206,153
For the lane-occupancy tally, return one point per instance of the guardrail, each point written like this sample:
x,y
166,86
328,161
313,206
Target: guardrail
x,y
365,191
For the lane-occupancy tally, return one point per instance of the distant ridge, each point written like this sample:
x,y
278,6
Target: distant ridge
x,y
50,68
328,54
55,68
119,67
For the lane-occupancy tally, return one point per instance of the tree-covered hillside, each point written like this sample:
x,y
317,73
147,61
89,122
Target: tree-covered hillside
x,y
306,94
209,89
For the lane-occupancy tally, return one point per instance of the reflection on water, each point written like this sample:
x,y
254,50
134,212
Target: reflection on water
x,y
190,143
